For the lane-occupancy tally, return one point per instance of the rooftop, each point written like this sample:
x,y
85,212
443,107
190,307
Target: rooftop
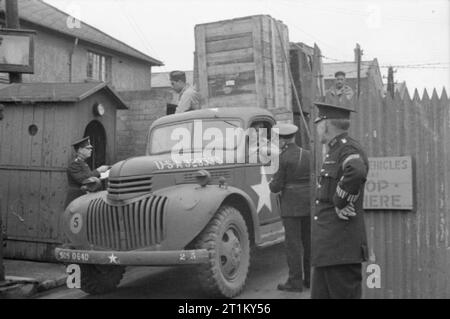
x,y
43,14
55,92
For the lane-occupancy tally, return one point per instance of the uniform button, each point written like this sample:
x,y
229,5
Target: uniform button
x,y
327,156
320,186
326,175
317,202
316,218
322,170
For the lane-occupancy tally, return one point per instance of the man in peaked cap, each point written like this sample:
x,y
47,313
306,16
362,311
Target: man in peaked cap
x,y
293,181
339,243
78,173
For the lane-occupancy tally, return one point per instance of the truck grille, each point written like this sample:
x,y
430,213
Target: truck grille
x,y
129,185
133,226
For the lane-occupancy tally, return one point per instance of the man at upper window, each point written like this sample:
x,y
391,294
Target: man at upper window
x,y
340,93
189,98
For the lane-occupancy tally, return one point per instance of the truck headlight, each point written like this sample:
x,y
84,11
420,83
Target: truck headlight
x,y
203,178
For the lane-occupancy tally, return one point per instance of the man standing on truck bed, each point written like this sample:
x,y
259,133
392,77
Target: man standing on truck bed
x,y
189,99
293,181
339,242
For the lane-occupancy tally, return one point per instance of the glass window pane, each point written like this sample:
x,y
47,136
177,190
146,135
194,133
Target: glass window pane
x,y
160,139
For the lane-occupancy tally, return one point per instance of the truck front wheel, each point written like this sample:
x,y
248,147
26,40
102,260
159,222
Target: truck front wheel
x,y
227,240
96,280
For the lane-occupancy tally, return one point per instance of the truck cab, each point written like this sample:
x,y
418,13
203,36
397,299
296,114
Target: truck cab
x,y
200,195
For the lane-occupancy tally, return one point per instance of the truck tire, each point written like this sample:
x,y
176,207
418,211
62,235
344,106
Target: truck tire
x,y
97,279
227,239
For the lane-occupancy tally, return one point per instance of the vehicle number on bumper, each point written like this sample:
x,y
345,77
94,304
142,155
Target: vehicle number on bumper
x,y
73,256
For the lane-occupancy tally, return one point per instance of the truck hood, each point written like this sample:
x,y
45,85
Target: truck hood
x,y
143,165
148,165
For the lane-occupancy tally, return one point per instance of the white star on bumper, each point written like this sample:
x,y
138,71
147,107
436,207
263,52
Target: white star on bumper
x,y
113,259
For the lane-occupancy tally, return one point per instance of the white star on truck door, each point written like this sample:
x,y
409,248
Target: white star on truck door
x,y
263,192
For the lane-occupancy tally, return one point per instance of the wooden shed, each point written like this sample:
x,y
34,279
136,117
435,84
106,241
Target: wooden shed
x,y
41,120
242,62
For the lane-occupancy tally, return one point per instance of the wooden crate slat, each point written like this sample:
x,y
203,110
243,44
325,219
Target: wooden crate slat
x,y
230,101
225,27
230,57
230,44
231,69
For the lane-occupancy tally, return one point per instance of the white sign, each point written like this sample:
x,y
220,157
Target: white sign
x,y
389,184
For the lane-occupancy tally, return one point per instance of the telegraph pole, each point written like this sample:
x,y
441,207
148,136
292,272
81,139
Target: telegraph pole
x,y
358,56
391,84
12,22
2,268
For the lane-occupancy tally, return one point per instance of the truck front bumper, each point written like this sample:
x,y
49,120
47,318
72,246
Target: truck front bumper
x,y
132,258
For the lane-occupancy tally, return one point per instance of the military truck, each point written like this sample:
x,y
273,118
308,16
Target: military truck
x,y
158,211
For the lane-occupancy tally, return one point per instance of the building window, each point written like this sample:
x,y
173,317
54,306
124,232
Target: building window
x,y
99,67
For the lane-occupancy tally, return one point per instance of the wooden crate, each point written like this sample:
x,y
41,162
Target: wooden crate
x,y
240,62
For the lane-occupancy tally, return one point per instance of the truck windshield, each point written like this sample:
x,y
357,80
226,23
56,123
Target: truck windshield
x,y
164,139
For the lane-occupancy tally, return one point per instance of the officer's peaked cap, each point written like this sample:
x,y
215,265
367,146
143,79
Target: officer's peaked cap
x,y
84,142
286,130
328,111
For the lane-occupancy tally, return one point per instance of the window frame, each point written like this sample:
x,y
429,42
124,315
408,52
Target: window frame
x,y
99,66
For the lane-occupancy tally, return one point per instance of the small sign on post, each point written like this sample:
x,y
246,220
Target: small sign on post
x,y
389,184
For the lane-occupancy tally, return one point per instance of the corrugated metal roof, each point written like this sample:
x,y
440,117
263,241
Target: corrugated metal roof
x,y
161,79
55,92
43,14
350,69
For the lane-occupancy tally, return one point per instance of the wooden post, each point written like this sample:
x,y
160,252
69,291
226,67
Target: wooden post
x,y
12,22
391,84
2,269
358,53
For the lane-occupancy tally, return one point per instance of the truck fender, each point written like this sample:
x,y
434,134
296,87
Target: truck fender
x,y
191,207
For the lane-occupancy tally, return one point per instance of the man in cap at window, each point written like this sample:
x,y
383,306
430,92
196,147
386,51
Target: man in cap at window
x,y
339,243
340,93
293,181
78,173
189,98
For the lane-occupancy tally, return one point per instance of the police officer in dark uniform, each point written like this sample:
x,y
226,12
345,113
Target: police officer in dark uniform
x,y
79,173
339,242
293,181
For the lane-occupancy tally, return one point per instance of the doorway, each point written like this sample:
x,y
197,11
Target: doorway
x,y
97,134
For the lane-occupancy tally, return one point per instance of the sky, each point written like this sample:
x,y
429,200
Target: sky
x,y
411,35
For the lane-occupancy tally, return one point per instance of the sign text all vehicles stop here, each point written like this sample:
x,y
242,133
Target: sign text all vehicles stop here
x,y
389,184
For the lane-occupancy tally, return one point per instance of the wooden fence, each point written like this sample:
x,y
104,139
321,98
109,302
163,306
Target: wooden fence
x,y
412,248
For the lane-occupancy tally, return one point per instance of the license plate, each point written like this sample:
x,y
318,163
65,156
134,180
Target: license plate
x,y
73,256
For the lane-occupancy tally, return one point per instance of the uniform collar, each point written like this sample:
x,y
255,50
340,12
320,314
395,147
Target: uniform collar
x,y
79,159
340,138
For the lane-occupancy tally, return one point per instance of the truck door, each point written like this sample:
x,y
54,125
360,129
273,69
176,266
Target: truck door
x,y
260,174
